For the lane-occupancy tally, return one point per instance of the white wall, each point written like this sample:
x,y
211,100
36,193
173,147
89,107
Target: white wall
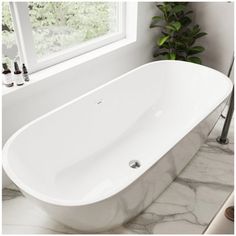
x,y
217,19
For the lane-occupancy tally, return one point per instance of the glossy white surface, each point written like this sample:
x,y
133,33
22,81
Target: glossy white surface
x,y
186,206
89,142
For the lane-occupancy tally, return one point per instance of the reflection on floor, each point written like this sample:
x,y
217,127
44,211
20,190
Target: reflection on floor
x,y
186,206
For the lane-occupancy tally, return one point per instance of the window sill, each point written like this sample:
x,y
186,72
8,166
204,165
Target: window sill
x,y
58,68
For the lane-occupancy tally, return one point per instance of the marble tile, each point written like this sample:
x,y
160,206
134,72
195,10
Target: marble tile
x,y
186,207
193,199
10,192
20,216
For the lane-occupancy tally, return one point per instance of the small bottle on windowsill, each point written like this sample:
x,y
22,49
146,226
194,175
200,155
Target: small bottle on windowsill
x,y
25,73
18,75
7,76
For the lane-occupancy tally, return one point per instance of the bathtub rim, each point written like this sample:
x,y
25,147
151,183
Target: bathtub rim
x,y
59,202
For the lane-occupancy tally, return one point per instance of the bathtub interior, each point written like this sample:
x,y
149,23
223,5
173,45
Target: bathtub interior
x,y
81,152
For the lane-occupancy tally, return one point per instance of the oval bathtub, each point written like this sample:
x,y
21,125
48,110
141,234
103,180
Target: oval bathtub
x,y
74,162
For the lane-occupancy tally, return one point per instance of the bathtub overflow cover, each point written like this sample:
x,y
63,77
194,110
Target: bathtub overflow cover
x,y
134,164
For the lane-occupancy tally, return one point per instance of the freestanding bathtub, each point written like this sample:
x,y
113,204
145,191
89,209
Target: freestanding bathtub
x,y
102,158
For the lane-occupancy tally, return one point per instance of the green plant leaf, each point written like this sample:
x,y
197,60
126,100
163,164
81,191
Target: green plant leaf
x,y
196,29
157,18
172,56
199,35
157,53
176,25
170,27
161,8
178,8
154,26
162,40
180,46
165,45
168,7
195,50
196,60
180,57
185,21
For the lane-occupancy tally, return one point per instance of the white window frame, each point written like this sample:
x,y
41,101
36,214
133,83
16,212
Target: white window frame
x,y
25,41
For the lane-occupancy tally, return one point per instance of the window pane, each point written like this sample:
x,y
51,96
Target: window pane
x,y
9,45
61,25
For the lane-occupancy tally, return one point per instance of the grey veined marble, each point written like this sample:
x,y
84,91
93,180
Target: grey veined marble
x,y
186,207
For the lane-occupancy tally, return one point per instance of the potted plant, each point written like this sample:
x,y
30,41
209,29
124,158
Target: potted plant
x,y
178,35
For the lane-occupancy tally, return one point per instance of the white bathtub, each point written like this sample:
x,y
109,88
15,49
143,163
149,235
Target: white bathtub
x,y
74,161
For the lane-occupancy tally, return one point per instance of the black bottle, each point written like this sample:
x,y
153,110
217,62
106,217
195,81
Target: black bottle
x,y
25,73
7,76
18,75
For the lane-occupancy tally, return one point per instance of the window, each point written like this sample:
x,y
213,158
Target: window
x,y
9,45
60,25
51,32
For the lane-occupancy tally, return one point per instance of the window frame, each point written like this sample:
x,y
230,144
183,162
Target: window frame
x,y
25,41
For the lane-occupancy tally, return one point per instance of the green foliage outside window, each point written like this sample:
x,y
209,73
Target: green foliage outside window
x,y
63,24
8,37
60,25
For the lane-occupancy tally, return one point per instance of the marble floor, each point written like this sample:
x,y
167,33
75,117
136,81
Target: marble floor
x,y
187,206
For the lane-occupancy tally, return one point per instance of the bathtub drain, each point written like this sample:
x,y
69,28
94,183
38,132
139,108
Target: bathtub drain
x,y
134,164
